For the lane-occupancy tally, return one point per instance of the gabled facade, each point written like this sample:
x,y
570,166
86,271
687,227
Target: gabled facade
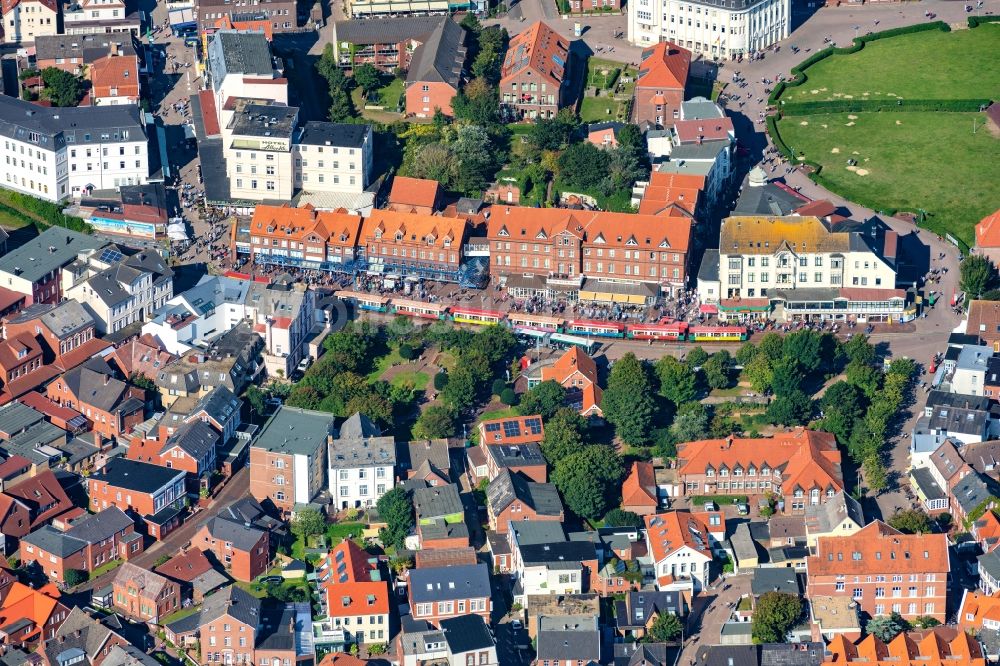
x,y
243,549
144,595
29,616
883,570
659,89
534,74
680,548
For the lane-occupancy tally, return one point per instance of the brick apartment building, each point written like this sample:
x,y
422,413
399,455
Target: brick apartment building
x,y
413,244
144,595
442,592
613,247
801,467
513,497
883,570
156,493
534,74
385,43
29,504
659,88
281,14
112,406
235,627
436,71
326,236
31,616
243,549
88,544
357,599
288,458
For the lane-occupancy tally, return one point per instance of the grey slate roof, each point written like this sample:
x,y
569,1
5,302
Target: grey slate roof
x,y
641,654
802,654
317,133
564,554
643,604
94,388
441,57
196,438
582,644
16,417
219,404
434,451
821,518
236,52
709,269
437,501
528,532
58,126
469,581
242,537
235,602
727,655
360,443
33,260
774,579
439,529
100,526
135,475
292,430
973,490
53,541
87,47
79,630
386,30
466,633
768,199
507,487
129,655
700,108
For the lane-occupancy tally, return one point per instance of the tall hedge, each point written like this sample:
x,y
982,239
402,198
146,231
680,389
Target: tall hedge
x,y
888,105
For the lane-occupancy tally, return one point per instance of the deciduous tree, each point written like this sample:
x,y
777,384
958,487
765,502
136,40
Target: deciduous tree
x,y
628,401
396,509
775,614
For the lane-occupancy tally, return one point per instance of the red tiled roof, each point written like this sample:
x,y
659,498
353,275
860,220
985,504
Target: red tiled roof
x,y
576,362
24,603
977,607
665,66
928,647
615,229
85,351
58,414
185,566
878,548
41,490
864,294
9,297
209,115
539,48
13,467
984,320
988,230
817,208
115,76
414,192
668,532
807,459
17,350
709,129
639,489
341,659
413,227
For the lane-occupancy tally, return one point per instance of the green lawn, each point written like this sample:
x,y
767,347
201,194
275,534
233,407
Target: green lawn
x,y
382,363
926,65
498,414
416,380
595,109
602,73
181,614
911,161
339,531
389,96
105,568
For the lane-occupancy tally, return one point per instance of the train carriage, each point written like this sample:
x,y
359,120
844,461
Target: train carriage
x,y
523,320
587,345
717,333
476,316
410,308
371,302
604,329
674,331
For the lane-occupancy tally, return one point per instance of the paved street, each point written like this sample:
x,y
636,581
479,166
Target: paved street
x,y
710,610
237,487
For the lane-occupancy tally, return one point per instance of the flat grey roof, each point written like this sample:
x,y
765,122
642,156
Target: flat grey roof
x,y
293,430
49,251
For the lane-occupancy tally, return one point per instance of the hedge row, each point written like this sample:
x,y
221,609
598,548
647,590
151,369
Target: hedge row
x,y
976,21
798,72
862,105
43,214
786,152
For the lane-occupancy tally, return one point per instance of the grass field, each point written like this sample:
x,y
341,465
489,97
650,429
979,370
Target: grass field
x,y
927,65
595,109
906,161
416,380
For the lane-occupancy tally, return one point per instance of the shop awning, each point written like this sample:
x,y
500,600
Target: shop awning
x,y
708,308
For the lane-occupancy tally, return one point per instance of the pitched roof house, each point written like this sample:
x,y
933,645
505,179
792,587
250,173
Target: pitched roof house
x,y
639,493
534,73
577,373
659,89
802,467
680,548
512,497
29,616
436,71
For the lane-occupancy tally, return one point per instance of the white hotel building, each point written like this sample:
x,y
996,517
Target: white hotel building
x,y
58,153
716,29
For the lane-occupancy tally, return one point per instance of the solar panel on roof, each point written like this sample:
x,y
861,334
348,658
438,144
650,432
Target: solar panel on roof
x,y
534,425
511,429
492,427
111,255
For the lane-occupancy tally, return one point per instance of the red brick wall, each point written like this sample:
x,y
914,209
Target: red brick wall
x,y
646,109
53,570
827,585
523,512
132,605
102,496
438,94
243,565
